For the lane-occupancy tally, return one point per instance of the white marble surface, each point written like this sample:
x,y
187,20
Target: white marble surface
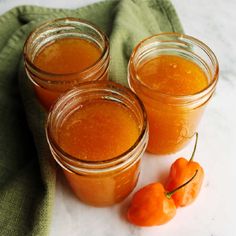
x,y
214,22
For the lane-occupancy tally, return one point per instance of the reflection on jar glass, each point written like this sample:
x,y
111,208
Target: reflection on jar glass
x,y
175,76
97,133
63,53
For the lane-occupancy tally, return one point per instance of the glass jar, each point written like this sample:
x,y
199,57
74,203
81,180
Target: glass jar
x,y
103,182
48,86
173,119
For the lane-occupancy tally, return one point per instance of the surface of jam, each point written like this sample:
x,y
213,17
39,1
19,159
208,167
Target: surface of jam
x,y
67,55
173,75
99,130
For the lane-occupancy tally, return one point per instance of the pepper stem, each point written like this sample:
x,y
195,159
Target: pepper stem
x,y
195,147
169,194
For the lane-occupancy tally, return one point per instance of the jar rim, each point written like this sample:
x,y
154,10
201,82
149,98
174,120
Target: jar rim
x,y
30,63
120,159
208,89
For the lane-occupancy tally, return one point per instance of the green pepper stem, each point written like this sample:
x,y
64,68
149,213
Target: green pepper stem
x,y
195,147
169,194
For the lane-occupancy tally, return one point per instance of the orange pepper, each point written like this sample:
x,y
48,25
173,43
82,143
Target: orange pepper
x,y
152,205
180,171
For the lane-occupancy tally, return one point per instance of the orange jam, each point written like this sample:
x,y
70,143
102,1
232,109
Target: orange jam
x,y
173,75
100,134
62,54
98,131
169,125
67,55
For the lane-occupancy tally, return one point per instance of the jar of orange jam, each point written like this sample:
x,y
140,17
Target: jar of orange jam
x,y
175,76
97,133
63,53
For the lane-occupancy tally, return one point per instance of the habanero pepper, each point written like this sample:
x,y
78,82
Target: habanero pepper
x,y
152,205
181,170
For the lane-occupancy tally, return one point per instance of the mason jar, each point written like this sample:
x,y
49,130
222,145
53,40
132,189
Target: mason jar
x,y
98,182
173,119
49,84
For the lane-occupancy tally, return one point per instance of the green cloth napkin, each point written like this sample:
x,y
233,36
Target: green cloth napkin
x,y
27,175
